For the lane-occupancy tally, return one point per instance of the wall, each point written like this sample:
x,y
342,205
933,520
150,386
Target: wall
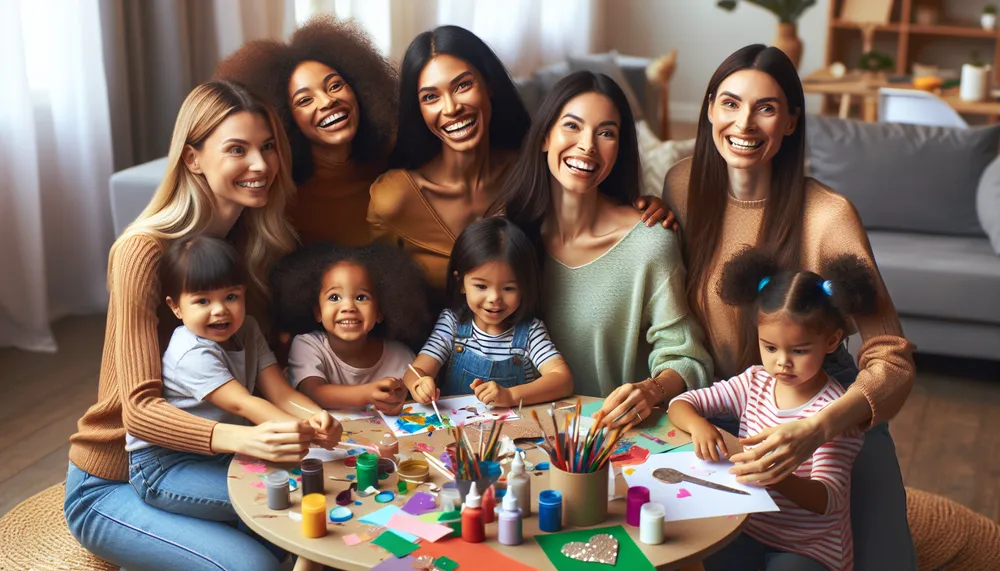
x,y
704,35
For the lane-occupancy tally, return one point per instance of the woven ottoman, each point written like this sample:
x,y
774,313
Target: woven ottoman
x,y
949,536
34,536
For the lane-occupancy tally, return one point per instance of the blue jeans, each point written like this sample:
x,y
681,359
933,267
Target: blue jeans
x,y
112,522
183,483
466,364
747,554
882,537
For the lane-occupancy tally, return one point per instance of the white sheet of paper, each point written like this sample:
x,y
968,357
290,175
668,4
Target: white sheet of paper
x,y
456,410
324,455
697,501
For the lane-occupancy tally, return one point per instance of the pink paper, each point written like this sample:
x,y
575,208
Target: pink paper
x,y
351,539
409,524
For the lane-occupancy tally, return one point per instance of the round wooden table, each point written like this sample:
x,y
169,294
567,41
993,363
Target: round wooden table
x,y
686,542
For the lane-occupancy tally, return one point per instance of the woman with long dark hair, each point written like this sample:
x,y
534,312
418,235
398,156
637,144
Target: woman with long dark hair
x,y
613,288
461,123
746,185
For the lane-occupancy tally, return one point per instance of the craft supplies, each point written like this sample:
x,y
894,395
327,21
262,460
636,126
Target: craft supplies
x,y
473,525
651,523
277,490
509,524
490,505
388,446
585,495
637,496
314,515
576,449
312,477
606,547
413,472
550,511
519,484
367,471
340,514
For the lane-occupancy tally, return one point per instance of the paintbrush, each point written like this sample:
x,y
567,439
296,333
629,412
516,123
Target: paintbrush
x,y
439,466
433,402
297,405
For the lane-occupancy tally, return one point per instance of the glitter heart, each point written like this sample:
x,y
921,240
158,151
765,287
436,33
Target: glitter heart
x,y
683,493
601,548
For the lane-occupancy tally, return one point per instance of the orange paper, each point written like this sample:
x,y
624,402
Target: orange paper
x,y
470,555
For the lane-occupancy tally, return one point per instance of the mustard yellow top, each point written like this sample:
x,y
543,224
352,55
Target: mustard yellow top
x,y
333,203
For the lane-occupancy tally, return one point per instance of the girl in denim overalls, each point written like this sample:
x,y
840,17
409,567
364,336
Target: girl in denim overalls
x,y
489,342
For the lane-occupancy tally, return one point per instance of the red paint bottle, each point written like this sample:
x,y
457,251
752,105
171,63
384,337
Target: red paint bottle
x,y
489,505
473,525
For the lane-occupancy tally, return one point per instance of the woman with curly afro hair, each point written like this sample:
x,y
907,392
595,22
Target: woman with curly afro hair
x,y
336,96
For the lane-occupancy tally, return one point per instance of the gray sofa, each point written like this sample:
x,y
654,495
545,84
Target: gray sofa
x,y
915,188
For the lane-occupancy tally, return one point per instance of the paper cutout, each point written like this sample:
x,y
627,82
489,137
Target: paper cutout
x,y
418,419
471,556
324,455
409,524
707,502
381,518
352,539
445,564
590,408
420,503
395,544
601,548
629,471
635,455
630,557
407,563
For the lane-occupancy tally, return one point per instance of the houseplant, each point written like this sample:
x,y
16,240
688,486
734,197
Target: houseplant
x,y
989,17
788,13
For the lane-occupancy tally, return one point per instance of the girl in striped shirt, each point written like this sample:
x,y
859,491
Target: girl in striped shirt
x,y
800,318
489,343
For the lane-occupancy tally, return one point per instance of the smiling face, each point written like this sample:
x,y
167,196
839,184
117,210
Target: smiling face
x,y
582,145
750,116
347,306
214,315
791,353
454,102
239,161
323,105
493,295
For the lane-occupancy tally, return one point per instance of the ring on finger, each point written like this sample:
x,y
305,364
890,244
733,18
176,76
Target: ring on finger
x,y
638,417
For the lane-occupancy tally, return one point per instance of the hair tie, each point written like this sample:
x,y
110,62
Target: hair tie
x,y
827,286
763,282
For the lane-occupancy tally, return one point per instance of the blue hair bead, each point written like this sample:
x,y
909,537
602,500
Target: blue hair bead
x,y
827,286
763,282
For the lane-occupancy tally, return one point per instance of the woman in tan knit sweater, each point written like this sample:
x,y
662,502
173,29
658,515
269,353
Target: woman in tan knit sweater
x,y
228,176
745,185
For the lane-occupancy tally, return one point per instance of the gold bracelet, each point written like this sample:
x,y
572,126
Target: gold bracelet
x,y
659,386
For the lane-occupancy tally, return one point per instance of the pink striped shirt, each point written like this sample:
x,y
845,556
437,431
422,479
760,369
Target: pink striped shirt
x,y
827,537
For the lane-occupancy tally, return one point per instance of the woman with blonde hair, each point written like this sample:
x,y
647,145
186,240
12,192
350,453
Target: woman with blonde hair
x,y
228,176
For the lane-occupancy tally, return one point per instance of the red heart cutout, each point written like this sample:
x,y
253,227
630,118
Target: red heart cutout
x,y
671,434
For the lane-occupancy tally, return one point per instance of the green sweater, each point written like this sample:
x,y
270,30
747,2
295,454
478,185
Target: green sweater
x,y
623,317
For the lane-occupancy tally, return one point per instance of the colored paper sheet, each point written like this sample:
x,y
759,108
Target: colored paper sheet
x,y
420,503
471,555
657,425
445,564
689,500
381,518
431,517
352,539
395,544
630,557
689,447
417,418
396,564
409,524
591,407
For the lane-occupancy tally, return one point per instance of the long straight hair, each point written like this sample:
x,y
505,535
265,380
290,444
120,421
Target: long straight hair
x,y
184,204
527,194
708,187
415,143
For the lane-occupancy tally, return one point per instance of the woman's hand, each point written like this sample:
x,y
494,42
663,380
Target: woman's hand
x,y
708,441
424,390
777,452
328,430
492,393
632,402
387,395
654,211
277,440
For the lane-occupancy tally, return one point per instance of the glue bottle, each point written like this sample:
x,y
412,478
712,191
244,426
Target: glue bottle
x,y
489,502
519,484
473,526
509,526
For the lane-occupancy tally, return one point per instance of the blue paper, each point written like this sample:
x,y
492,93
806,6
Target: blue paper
x,y
381,518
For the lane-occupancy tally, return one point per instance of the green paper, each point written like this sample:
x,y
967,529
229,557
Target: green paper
x,y
660,429
630,557
445,564
395,544
689,447
591,407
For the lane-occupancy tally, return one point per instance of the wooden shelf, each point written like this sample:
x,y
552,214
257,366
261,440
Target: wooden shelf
x,y
957,31
845,25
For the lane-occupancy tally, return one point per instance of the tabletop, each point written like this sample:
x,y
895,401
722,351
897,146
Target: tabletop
x,y
686,542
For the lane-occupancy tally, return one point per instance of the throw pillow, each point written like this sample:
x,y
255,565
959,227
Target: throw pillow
x,y
988,203
657,157
910,178
606,64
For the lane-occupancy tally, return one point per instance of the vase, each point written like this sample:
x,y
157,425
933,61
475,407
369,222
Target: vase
x,y
788,41
975,83
989,21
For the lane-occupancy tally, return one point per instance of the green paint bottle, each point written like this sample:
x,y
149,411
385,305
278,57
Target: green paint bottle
x,y
367,470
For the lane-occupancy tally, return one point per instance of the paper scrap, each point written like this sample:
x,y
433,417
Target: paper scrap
x,y
381,518
395,544
409,524
445,564
352,539
324,455
420,503
418,419
471,555
397,564
629,555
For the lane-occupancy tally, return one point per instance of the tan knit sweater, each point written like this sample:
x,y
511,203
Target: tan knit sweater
x,y
831,228
129,392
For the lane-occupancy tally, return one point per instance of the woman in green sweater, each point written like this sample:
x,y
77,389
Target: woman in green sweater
x,y
613,289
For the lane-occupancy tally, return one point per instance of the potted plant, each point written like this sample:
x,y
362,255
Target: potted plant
x,y
989,17
788,13
975,80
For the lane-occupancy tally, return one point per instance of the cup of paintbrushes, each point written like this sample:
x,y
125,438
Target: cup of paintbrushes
x,y
585,495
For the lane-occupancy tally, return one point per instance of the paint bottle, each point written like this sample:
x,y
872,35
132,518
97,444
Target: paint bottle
x,y
277,490
509,526
550,511
314,515
490,505
312,477
388,447
367,471
651,523
519,484
473,526
636,497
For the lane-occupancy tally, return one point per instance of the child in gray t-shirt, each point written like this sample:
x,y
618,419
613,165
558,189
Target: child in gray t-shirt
x,y
211,367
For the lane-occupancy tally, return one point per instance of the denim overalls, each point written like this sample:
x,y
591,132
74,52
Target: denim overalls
x,y
467,365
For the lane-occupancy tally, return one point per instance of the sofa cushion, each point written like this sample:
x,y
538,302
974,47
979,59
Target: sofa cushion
x,y
608,65
131,190
909,178
988,203
947,277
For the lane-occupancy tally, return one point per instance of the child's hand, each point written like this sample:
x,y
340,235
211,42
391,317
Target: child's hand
x,y
706,438
424,390
328,429
492,393
387,395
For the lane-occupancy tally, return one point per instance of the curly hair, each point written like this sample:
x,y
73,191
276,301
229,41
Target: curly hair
x,y
400,290
266,67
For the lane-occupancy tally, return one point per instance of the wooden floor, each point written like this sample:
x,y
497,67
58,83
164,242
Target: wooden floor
x,y
947,436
